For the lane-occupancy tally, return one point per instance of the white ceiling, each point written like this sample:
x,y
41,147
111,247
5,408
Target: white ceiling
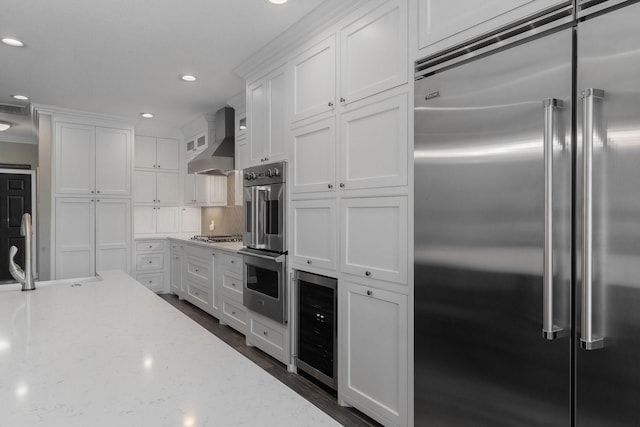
x,y
123,57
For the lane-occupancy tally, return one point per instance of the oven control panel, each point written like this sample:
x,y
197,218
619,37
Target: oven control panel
x,y
272,173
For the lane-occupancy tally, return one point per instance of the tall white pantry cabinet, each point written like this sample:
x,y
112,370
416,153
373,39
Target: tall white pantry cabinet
x,y
345,118
91,196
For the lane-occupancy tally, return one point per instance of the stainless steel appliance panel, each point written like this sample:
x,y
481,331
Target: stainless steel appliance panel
x,y
265,284
481,358
608,184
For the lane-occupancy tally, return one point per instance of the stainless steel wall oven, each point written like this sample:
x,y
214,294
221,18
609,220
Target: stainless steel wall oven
x,y
265,290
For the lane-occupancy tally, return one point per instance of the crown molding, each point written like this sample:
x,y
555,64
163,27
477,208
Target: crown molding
x,y
60,111
316,21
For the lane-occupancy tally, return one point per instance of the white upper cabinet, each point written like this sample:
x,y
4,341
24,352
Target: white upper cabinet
x,y
242,153
75,158
191,220
145,152
314,157
266,119
156,219
167,154
201,191
374,238
218,190
157,187
314,80
113,161
92,160
373,52
445,23
373,145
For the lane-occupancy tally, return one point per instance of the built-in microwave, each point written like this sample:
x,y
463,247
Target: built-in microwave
x,y
265,283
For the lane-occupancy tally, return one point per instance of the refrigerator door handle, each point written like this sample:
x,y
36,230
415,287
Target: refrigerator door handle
x,y
549,330
587,340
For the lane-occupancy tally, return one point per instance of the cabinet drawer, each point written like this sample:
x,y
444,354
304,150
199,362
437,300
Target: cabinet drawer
x,y
231,262
232,285
146,262
175,246
153,281
150,246
198,269
235,315
198,295
270,336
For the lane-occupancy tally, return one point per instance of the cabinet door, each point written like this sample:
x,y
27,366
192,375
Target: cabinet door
x,y
314,80
374,356
243,153
202,188
75,159
314,233
144,220
145,152
277,117
374,238
442,24
374,144
113,161
144,187
218,190
113,234
168,154
373,52
314,155
191,220
75,238
257,118
168,188
190,189
176,273
168,219
238,188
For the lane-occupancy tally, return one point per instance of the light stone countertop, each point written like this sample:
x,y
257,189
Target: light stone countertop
x,y
111,353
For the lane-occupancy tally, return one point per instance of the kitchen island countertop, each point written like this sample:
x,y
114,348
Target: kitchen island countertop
x,y
111,353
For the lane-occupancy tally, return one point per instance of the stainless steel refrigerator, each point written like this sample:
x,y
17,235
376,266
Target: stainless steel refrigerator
x,y
527,225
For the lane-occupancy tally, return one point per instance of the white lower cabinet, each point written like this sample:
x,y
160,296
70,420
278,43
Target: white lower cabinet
x,y
198,278
269,336
175,269
373,360
91,234
151,263
229,285
314,225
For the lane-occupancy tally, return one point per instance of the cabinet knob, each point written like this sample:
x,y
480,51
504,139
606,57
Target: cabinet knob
x,y
233,262
330,104
233,284
367,273
92,191
369,293
330,186
150,281
92,200
342,185
98,200
158,200
150,247
158,166
98,191
265,333
308,261
342,99
150,262
196,270
233,312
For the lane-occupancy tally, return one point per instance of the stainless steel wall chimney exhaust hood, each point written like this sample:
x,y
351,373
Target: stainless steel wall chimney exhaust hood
x,y
218,157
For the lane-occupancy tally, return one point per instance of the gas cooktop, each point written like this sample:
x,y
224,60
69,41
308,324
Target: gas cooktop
x,y
218,239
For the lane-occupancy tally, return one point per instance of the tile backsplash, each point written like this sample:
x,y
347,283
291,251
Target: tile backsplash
x,y
227,220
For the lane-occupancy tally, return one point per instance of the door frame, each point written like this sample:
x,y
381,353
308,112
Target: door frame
x,y
34,215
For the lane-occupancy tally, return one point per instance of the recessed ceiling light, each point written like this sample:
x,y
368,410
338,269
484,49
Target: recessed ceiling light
x,y
188,78
277,1
4,126
12,42
147,115
20,97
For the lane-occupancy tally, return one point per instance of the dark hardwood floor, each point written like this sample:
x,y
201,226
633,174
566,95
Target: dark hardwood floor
x,y
318,396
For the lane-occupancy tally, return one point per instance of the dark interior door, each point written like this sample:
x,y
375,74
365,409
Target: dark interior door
x,y
15,200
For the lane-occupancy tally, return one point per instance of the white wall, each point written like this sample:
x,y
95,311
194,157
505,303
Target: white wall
x,y
22,154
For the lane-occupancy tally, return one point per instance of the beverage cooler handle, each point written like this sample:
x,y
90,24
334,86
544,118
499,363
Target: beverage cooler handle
x,y
549,330
587,340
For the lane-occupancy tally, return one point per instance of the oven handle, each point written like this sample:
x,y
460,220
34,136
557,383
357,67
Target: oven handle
x,y
254,214
278,259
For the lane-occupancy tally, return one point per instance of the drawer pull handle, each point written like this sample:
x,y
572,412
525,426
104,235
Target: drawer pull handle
x,y
367,273
265,333
369,293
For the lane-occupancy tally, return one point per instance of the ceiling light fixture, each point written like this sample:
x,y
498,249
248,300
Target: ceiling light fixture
x,y
4,126
147,115
188,78
20,97
12,42
277,1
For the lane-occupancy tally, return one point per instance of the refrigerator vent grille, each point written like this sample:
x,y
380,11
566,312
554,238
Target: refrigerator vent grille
x,y
18,110
535,25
